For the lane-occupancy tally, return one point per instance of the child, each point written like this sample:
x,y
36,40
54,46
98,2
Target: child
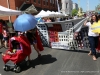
x,y
15,46
5,36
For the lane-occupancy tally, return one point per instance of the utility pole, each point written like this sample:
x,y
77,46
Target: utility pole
x,y
9,8
64,9
58,6
88,8
88,5
78,3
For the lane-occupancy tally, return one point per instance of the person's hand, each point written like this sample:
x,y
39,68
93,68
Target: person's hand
x,y
8,52
96,33
85,22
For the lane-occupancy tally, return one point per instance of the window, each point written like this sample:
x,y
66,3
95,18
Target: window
x,y
55,2
46,2
34,0
39,1
66,5
27,0
51,2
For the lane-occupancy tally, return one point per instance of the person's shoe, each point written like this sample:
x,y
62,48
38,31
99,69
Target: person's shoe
x,y
3,54
90,53
39,56
29,61
94,58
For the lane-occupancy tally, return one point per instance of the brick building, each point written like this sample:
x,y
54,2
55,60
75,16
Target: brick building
x,y
24,4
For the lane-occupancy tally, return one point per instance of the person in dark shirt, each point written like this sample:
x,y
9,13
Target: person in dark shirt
x,y
32,39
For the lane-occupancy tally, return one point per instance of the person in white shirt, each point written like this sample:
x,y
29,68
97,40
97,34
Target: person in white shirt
x,y
93,37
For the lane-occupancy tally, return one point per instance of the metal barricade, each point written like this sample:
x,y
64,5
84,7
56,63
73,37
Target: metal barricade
x,y
61,34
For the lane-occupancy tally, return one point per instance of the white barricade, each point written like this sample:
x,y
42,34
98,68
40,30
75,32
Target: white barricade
x,y
60,35
43,33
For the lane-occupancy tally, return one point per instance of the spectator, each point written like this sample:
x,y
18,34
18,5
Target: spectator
x,y
48,20
1,36
5,36
93,37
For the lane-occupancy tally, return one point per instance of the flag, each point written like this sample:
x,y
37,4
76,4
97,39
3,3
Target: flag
x,y
39,19
58,6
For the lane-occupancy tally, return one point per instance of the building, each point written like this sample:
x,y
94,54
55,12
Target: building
x,y
75,6
24,4
67,7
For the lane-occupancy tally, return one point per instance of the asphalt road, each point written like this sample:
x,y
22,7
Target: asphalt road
x,y
58,62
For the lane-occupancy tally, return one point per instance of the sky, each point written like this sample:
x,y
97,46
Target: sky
x,y
83,4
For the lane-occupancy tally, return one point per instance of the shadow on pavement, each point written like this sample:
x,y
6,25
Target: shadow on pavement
x,y
81,51
45,59
0,52
98,55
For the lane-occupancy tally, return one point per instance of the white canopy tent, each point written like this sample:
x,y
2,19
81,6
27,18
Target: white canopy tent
x,y
58,14
8,12
49,14
42,14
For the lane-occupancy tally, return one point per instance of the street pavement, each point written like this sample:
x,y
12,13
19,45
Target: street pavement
x,y
58,62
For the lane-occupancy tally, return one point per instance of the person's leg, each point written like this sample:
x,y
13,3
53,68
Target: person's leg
x,y
36,48
5,42
29,57
90,53
96,41
92,46
1,42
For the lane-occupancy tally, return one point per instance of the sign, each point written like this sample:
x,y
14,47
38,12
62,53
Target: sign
x,y
59,45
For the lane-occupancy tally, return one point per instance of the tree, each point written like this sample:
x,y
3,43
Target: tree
x,y
74,12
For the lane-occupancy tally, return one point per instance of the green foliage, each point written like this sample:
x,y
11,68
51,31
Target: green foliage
x,y
74,12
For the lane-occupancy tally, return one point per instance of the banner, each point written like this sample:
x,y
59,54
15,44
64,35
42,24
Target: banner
x,y
59,45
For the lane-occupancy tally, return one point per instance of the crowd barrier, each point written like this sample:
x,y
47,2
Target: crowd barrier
x,y
60,34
